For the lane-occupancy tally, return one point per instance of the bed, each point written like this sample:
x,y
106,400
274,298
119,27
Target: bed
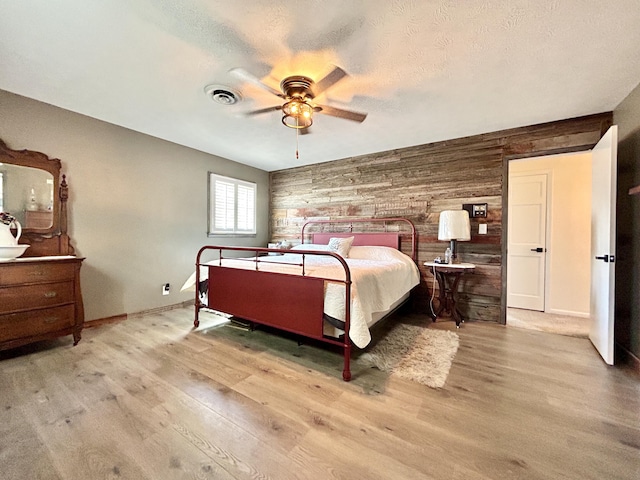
x,y
332,287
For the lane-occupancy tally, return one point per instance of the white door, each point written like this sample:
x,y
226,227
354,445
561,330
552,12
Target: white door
x,y
603,242
526,247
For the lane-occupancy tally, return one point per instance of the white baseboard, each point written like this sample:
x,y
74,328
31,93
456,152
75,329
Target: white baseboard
x,y
568,313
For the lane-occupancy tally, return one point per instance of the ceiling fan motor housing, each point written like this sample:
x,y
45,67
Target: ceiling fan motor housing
x,y
297,86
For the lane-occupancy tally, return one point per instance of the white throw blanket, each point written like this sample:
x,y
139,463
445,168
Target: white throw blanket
x,y
380,277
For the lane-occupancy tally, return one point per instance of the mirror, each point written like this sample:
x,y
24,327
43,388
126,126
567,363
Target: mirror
x,y
33,190
27,194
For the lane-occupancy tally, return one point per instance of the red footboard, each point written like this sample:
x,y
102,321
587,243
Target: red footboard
x,y
294,303
288,302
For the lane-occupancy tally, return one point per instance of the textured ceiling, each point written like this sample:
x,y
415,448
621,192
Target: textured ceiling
x,y
423,70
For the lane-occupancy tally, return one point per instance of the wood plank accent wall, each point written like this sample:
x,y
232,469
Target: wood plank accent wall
x,y
418,182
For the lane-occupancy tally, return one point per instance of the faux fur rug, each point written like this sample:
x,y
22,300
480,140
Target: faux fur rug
x,y
414,353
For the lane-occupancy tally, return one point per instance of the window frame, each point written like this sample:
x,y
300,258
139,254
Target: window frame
x,y
3,189
212,177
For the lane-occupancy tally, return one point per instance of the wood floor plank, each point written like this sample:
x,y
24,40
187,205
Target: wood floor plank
x,y
21,449
240,410
237,444
241,453
59,420
153,398
554,399
130,410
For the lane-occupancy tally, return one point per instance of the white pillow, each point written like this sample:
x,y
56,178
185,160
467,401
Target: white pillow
x,y
371,252
311,246
341,245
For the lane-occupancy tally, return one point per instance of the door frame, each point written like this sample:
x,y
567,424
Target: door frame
x,y
505,213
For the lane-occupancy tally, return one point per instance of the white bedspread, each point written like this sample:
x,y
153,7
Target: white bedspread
x,y
380,277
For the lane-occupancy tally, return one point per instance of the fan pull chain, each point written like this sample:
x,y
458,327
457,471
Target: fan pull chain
x,y
297,130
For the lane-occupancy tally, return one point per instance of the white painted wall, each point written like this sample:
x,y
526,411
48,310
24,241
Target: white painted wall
x,y
137,204
569,230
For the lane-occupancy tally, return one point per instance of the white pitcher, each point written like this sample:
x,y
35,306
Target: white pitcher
x,y
6,237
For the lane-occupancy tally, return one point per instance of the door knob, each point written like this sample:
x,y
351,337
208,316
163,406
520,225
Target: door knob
x,y
606,258
539,249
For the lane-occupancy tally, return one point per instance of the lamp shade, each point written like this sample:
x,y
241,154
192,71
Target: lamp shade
x,y
454,225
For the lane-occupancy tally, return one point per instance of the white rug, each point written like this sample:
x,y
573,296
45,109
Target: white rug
x,y
414,353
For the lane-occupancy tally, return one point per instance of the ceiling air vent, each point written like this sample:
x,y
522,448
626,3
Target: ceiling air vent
x,y
222,95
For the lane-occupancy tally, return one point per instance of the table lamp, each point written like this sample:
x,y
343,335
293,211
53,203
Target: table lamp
x,y
454,226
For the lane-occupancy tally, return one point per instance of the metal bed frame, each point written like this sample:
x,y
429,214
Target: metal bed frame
x,y
292,303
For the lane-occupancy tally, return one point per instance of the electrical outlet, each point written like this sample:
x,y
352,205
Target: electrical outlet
x,y
165,289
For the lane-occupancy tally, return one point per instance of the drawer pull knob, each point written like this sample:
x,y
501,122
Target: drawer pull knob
x,y
51,319
51,294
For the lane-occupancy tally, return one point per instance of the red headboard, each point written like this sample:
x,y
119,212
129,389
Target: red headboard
x,y
381,232
386,239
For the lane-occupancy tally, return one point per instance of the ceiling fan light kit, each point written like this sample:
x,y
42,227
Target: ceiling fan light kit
x,y
298,111
297,114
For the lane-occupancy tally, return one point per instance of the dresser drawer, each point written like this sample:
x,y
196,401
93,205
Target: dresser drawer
x,y
21,273
35,296
36,322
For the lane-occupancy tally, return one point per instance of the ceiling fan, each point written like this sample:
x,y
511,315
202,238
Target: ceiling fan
x,y
299,92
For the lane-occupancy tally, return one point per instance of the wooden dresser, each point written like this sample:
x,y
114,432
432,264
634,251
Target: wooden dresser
x,y
40,299
40,291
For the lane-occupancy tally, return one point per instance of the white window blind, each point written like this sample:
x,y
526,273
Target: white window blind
x,y
232,208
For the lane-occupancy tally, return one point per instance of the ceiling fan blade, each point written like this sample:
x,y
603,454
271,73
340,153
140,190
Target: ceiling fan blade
x,y
264,110
245,76
333,77
346,114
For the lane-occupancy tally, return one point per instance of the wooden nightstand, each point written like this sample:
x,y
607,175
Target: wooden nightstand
x,y
448,276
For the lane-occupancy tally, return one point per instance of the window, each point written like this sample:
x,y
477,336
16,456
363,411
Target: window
x,y
1,191
232,206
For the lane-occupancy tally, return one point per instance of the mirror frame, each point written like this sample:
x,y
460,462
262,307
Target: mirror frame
x,y
46,241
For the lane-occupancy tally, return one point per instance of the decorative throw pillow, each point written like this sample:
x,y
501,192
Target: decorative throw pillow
x,y
341,245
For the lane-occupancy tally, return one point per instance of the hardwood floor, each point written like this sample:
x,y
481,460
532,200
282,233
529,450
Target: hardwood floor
x,y
149,398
